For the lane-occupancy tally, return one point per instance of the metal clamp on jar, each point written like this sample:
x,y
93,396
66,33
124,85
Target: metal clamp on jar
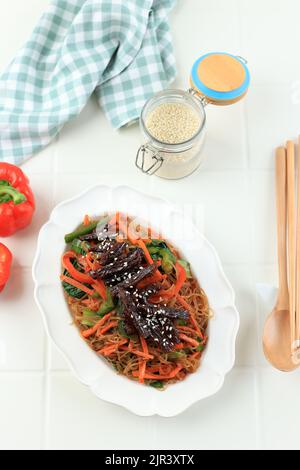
x,y
173,121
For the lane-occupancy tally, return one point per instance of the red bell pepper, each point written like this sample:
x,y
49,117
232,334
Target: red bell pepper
x,y
5,264
17,203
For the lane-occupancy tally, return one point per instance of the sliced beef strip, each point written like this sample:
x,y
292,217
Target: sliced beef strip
x,y
149,320
135,278
116,268
117,252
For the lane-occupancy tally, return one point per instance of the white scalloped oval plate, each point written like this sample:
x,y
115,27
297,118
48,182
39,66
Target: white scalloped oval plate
x,y
93,371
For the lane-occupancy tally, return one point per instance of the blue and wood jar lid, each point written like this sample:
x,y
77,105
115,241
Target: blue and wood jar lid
x,y
221,78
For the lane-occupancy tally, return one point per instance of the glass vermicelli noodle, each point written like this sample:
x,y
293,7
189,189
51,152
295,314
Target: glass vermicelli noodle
x,y
135,300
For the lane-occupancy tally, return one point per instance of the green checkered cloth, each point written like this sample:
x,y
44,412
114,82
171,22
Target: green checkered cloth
x,y
120,50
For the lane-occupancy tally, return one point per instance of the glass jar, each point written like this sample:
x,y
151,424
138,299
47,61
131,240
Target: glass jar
x,y
171,161
216,78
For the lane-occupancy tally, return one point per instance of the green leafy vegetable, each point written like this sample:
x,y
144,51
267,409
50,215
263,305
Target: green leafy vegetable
x,y
71,290
108,305
173,356
96,295
168,260
159,250
86,229
157,243
121,329
157,384
80,247
187,268
181,322
200,348
89,317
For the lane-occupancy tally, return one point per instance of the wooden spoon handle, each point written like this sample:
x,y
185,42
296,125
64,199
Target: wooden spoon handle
x,y
281,205
291,236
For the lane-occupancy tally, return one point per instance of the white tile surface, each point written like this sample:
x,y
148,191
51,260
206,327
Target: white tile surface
x,y
234,195
56,360
263,216
21,330
272,117
225,145
79,420
21,423
206,27
45,162
216,422
223,193
247,341
279,409
268,39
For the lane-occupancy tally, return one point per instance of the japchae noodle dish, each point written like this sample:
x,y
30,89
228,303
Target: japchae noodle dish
x,y
135,300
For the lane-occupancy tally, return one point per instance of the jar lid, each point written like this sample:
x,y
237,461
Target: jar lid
x,y
220,77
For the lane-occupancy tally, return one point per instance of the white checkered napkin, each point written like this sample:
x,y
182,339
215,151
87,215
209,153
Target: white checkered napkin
x,y
121,50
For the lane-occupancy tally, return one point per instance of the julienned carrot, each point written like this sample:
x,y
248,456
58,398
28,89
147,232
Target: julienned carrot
x,y
196,355
152,369
138,353
142,371
192,317
99,287
165,369
144,345
144,362
91,303
94,329
151,280
179,346
175,289
189,340
107,350
133,238
107,328
86,220
77,275
142,245
77,284
83,263
148,257
114,221
188,329
150,376
181,277
88,261
123,227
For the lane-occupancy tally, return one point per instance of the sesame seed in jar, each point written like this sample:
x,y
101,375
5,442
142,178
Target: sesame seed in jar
x,y
173,123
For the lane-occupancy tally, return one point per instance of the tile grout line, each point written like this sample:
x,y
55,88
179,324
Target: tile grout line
x,y
46,395
258,414
46,391
251,263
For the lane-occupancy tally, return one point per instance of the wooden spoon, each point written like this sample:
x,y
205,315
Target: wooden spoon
x,y
296,356
277,330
